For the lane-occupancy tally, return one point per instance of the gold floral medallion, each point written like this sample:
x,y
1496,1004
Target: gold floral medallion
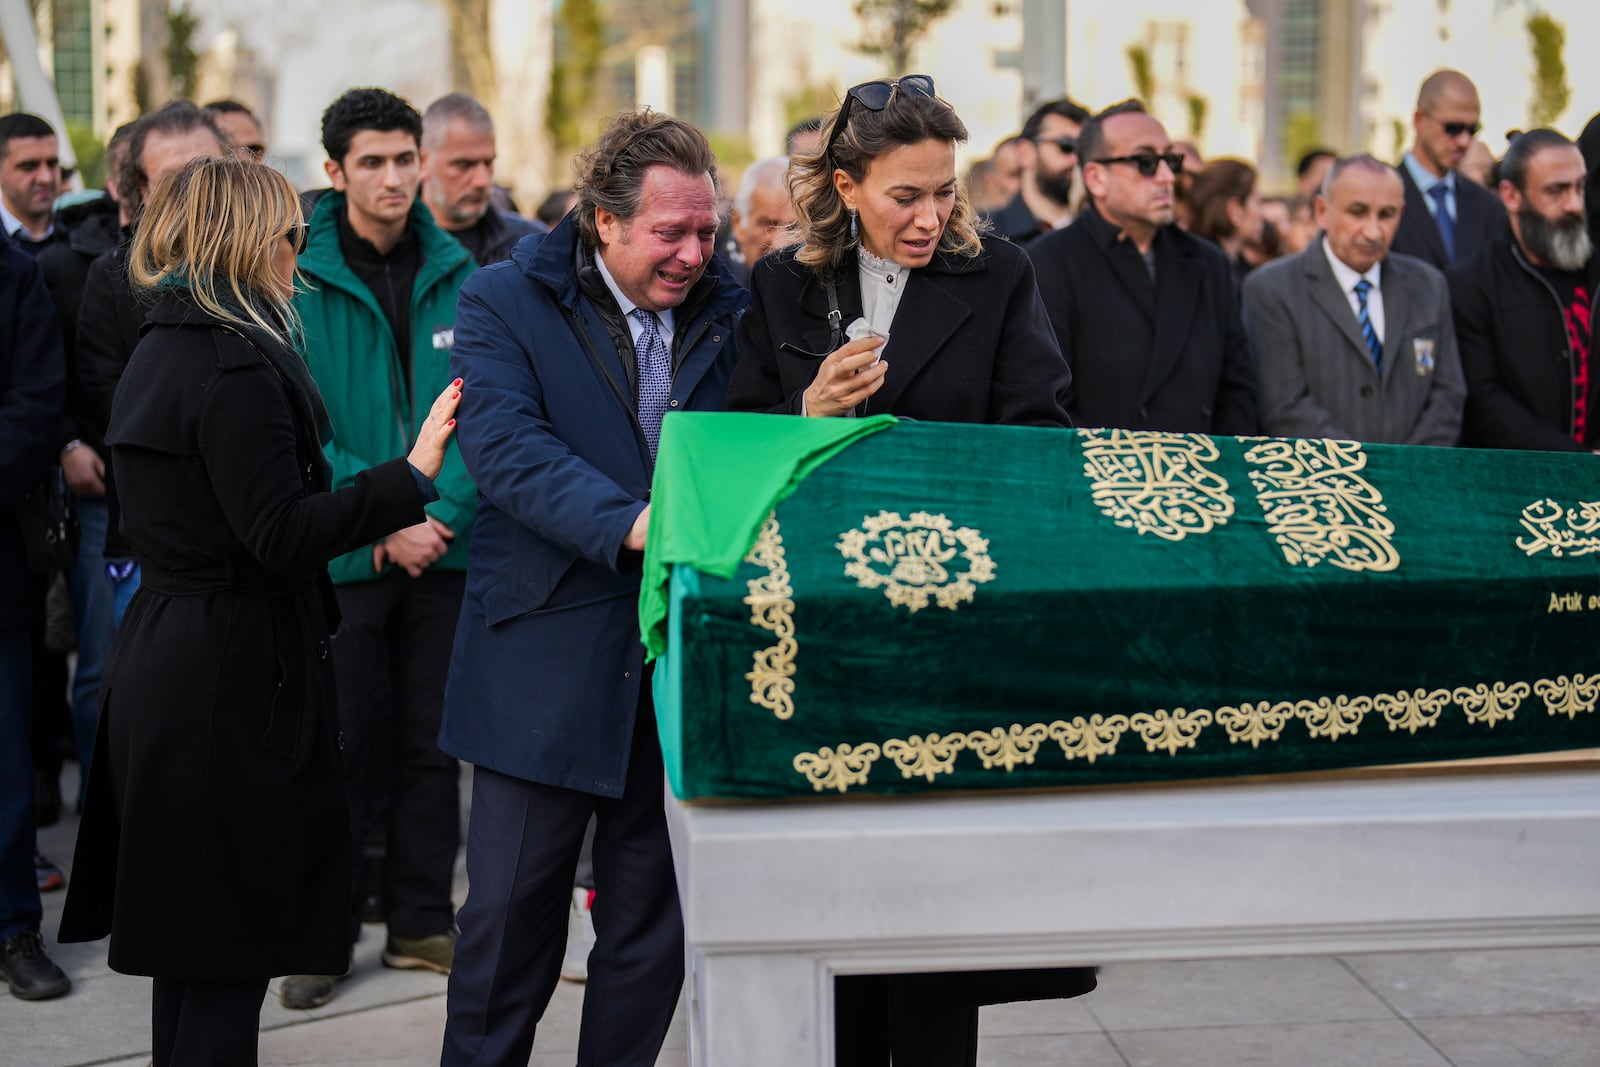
x,y
918,560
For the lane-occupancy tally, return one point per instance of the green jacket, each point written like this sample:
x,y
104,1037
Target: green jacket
x,y
350,348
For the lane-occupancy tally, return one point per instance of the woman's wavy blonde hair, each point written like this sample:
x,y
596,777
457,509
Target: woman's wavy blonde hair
x,y
821,219
212,228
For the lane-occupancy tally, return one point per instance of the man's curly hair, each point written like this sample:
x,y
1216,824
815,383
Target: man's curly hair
x,y
611,171
366,109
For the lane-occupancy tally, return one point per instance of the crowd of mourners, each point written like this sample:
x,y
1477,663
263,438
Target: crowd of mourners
x,y
308,497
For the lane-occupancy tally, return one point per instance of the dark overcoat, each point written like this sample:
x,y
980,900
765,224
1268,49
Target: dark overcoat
x,y
214,842
1480,220
969,343
1170,357
1519,360
545,672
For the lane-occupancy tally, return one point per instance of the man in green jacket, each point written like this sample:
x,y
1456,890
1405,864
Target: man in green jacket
x,y
379,315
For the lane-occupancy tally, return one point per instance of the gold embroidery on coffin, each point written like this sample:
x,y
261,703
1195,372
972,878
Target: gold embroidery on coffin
x,y
1005,748
925,756
1089,738
1255,723
1156,483
1413,710
1579,537
1170,731
1568,696
771,602
1318,507
910,559
1491,705
839,768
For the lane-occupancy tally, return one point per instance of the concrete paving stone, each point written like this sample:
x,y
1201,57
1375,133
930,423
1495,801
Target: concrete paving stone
x,y
399,1035
101,1019
1495,982
1342,1044
1569,1040
1236,992
1038,1017
1056,1050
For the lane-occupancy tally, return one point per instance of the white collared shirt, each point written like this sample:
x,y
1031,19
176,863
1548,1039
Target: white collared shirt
x,y
635,327
1425,183
17,231
883,283
1347,279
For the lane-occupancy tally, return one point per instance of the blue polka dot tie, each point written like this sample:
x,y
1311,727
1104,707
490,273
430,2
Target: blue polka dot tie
x,y
1374,345
655,377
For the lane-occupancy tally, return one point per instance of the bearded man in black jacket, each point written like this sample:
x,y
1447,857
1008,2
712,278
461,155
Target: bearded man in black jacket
x,y
1525,309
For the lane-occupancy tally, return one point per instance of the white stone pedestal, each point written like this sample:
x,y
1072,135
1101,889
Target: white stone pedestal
x,y
779,898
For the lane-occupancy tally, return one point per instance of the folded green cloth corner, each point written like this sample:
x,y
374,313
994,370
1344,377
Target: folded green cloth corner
x,y
718,476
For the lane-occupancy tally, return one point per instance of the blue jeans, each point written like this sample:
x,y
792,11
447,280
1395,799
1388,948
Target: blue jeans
x,y
121,593
92,598
19,890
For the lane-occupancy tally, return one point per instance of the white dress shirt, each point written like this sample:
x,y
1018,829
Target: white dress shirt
x,y
635,327
1347,279
883,283
1425,183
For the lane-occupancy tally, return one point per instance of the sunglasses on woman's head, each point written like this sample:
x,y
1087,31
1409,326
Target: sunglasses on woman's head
x,y
1149,162
875,96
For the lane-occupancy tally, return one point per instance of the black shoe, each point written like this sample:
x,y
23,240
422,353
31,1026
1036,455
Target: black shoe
x,y
30,972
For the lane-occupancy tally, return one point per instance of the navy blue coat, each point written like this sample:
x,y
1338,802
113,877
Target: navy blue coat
x,y
33,377
545,673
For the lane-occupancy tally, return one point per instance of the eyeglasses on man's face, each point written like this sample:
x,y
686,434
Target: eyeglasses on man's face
x,y
875,96
1456,129
1068,145
1149,162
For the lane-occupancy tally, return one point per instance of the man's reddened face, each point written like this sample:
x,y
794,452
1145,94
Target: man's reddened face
x,y
658,255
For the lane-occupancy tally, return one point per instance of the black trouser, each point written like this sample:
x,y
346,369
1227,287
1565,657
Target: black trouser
x,y
522,850
390,657
205,1024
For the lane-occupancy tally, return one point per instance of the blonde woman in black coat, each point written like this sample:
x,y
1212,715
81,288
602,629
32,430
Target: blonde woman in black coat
x,y
213,848
893,302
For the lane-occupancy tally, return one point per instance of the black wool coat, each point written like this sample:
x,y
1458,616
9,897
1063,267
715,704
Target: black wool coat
x,y
214,841
969,342
1515,352
1171,358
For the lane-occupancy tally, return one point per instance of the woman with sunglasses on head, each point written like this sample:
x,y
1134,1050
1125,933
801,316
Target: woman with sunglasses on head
x,y
213,848
892,302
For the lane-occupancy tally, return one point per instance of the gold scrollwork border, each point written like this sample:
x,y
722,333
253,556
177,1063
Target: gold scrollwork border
x,y
1006,747
771,603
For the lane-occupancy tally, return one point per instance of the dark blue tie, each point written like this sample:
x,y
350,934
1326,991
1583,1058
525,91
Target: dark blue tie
x,y
1447,225
655,377
1375,346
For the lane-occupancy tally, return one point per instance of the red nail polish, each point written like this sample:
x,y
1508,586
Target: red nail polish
x,y
452,422
456,397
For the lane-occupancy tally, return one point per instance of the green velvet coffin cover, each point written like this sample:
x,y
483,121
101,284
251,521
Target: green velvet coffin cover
x,y
936,607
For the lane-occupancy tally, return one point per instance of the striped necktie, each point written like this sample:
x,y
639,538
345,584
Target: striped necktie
x,y
1375,346
655,377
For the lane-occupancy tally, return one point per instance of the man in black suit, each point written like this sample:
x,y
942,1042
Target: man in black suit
x,y
1447,219
1146,315
1047,152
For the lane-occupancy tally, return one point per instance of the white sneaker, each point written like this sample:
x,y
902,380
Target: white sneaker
x,y
580,938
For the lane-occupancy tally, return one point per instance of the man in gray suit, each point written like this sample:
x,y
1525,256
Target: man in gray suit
x,y
1353,342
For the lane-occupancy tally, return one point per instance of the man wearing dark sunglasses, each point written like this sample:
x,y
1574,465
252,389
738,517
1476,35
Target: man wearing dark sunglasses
x,y
1146,314
1048,155
1446,220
